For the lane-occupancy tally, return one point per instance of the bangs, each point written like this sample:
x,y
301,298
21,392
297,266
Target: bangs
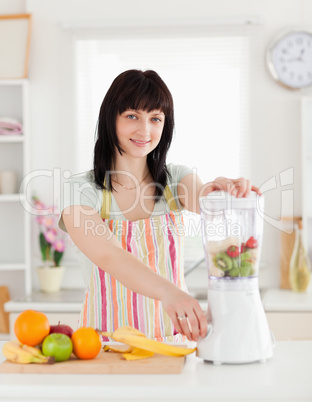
x,y
145,96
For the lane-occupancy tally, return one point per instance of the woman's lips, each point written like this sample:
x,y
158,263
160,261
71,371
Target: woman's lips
x,y
140,143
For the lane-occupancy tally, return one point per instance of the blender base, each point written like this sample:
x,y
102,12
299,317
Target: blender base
x,y
239,331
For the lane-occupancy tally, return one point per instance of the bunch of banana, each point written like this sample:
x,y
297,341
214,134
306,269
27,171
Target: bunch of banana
x,y
142,347
18,353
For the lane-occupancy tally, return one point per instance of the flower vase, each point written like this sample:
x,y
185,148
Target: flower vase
x,y
50,278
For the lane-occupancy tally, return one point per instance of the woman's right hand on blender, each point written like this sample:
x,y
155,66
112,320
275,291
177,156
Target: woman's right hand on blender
x,y
237,187
191,188
186,314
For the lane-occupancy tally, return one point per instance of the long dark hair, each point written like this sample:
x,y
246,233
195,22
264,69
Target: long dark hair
x,y
137,90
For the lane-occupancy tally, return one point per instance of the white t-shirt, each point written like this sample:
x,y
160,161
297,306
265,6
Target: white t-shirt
x,y
81,189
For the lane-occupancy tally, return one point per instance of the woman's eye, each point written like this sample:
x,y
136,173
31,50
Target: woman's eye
x,y
131,116
156,119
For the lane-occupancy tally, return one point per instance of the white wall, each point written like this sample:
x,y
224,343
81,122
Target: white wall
x,y
12,7
275,126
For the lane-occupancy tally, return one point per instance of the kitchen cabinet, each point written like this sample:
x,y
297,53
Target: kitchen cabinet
x,y
288,326
289,314
15,221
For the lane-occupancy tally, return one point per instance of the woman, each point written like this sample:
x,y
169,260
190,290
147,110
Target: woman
x,y
126,215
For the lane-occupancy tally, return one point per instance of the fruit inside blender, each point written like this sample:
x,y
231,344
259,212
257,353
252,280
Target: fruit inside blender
x,y
233,257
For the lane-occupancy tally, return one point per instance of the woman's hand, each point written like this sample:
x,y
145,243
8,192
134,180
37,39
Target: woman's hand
x,y
191,188
186,314
237,187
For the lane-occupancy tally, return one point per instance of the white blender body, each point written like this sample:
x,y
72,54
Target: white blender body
x,y
238,330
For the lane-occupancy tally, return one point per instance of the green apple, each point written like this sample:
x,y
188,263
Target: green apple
x,y
58,345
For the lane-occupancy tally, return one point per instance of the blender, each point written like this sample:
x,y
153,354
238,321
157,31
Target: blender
x,y
238,330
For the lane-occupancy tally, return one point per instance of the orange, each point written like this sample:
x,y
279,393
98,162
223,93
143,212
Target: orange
x,y
86,343
31,327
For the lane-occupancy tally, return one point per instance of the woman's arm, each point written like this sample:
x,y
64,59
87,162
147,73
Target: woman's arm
x,y
190,188
93,237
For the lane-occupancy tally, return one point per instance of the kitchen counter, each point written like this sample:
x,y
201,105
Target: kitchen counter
x,y
287,377
289,313
70,300
66,300
282,300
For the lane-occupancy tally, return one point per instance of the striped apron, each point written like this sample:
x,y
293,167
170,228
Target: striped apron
x,y
159,243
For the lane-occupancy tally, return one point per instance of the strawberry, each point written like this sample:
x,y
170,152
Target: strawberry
x,y
233,251
252,242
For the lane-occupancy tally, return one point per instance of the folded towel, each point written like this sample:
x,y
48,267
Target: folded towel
x,y
9,126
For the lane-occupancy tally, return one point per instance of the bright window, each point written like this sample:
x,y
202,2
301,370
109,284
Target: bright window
x,y
208,74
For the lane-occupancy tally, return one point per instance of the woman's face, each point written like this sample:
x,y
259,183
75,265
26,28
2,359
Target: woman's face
x,y
139,132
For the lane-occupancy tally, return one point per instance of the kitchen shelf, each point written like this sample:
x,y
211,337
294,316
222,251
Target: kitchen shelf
x,y
15,228
12,197
11,138
13,81
12,267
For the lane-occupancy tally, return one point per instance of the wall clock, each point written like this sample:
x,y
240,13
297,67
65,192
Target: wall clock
x,y
289,59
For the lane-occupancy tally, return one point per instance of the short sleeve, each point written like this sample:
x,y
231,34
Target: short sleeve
x,y
80,189
177,172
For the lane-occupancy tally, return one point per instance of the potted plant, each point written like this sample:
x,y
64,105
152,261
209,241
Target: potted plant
x,y
52,247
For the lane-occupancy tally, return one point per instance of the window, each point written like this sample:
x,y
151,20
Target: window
x,y
208,73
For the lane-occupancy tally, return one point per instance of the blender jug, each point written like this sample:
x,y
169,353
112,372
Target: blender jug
x,y
232,229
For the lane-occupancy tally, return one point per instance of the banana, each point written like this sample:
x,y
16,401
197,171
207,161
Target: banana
x,y
18,353
107,348
37,353
129,353
137,339
138,354
127,330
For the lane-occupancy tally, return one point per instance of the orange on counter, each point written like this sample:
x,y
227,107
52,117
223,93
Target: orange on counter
x,y
86,343
31,327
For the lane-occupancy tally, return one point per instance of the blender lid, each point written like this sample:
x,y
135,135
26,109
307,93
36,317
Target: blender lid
x,y
221,200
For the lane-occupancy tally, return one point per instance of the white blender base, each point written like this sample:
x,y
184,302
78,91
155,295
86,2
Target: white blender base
x,y
239,331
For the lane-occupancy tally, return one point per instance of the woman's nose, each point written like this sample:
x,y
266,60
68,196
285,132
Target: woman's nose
x,y
144,127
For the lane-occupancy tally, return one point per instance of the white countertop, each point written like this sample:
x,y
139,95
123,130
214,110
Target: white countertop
x,y
66,301
282,300
287,376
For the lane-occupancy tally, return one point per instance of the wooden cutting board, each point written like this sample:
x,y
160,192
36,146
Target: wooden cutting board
x,y
4,316
104,363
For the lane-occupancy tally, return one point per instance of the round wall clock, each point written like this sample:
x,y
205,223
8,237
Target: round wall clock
x,y
289,59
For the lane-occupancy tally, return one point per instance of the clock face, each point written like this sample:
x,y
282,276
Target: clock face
x,y
290,60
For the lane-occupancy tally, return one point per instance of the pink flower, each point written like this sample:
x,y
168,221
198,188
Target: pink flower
x,y
39,219
47,222
50,236
39,205
59,246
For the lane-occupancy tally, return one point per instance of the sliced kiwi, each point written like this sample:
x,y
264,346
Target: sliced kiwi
x,y
235,263
234,272
245,268
245,256
223,261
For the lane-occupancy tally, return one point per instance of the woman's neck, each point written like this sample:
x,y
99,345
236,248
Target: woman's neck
x,y
130,172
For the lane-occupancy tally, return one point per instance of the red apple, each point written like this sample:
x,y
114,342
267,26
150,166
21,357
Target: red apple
x,y
61,329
